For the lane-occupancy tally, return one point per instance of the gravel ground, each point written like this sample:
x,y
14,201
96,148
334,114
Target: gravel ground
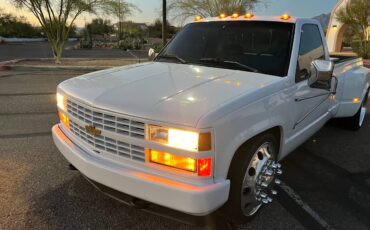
x,y
330,173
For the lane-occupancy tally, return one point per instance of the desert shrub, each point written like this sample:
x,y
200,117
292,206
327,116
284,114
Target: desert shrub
x,y
157,48
362,48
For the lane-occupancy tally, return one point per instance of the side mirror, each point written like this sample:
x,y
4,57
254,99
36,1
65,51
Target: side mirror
x,y
152,54
321,74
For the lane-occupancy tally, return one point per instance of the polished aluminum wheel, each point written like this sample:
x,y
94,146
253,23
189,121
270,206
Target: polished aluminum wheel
x,y
363,110
258,179
362,115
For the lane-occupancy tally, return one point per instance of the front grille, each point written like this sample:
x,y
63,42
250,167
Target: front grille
x,y
107,122
102,143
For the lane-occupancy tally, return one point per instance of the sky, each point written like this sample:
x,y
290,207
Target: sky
x,y
150,9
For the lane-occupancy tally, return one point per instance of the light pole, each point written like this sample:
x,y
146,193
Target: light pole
x,y
164,22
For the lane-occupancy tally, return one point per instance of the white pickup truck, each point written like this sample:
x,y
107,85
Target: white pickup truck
x,y
204,124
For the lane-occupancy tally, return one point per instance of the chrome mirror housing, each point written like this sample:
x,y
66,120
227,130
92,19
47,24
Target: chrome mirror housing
x,y
321,74
152,54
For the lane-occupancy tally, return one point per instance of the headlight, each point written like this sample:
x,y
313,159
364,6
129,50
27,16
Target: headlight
x,y
182,139
61,101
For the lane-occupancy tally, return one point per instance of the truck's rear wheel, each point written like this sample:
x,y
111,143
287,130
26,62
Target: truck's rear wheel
x,y
356,122
252,174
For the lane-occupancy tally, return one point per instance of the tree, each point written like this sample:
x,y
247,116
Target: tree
x,y
155,29
120,9
357,16
12,26
98,26
183,9
57,17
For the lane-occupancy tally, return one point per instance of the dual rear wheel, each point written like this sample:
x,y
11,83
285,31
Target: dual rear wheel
x,y
355,122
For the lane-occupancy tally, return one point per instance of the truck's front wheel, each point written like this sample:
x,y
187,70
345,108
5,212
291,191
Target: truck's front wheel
x,y
252,174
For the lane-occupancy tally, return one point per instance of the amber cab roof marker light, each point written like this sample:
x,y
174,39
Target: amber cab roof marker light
x,y
198,18
248,15
235,15
222,16
285,16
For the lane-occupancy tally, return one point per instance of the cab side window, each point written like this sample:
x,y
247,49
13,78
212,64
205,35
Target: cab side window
x,y
311,48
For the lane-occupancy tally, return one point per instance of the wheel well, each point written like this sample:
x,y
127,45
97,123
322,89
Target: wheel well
x,y
275,131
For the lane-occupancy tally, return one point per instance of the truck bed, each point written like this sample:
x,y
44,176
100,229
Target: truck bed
x,y
340,58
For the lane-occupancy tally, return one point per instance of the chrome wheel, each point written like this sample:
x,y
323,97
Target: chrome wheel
x,y
362,115
363,110
258,179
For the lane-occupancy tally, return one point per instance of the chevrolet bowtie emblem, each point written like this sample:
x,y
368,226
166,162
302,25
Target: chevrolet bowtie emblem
x,y
92,130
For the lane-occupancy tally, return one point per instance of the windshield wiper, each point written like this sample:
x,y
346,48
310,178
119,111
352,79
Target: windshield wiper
x,y
170,56
228,62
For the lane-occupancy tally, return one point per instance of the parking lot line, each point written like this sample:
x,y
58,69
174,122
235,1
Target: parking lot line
x,y
298,200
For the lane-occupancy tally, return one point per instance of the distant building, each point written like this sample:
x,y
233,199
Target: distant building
x,y
337,29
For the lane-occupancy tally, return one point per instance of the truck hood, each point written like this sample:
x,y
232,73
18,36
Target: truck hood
x,y
166,92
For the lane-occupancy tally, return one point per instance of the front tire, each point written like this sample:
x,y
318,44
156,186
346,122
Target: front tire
x,y
247,173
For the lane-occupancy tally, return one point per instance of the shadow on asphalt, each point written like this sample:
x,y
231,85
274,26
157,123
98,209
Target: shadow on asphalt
x,y
78,205
332,175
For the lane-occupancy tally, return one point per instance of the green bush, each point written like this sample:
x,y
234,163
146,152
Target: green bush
x,y
157,48
84,44
125,44
13,26
131,42
362,48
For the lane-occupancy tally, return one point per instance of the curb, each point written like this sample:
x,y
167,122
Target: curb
x,y
14,61
39,67
5,67
78,59
12,64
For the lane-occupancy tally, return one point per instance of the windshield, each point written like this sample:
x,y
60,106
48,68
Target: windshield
x,y
262,47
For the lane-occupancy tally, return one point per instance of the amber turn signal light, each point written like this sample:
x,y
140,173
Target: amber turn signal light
x,y
203,167
171,160
63,119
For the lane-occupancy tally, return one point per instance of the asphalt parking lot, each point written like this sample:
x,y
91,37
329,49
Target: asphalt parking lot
x,y
326,182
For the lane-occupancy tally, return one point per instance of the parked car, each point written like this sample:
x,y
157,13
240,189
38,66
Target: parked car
x,y
204,125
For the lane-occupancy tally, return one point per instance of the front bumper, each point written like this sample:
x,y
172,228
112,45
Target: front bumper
x,y
187,198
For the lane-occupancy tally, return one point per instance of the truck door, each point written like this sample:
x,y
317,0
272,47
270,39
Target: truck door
x,y
311,105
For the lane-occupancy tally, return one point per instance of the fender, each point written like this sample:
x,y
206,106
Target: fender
x,y
355,87
236,128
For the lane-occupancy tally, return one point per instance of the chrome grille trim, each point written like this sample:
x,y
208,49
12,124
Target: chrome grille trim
x,y
106,121
109,123
112,146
